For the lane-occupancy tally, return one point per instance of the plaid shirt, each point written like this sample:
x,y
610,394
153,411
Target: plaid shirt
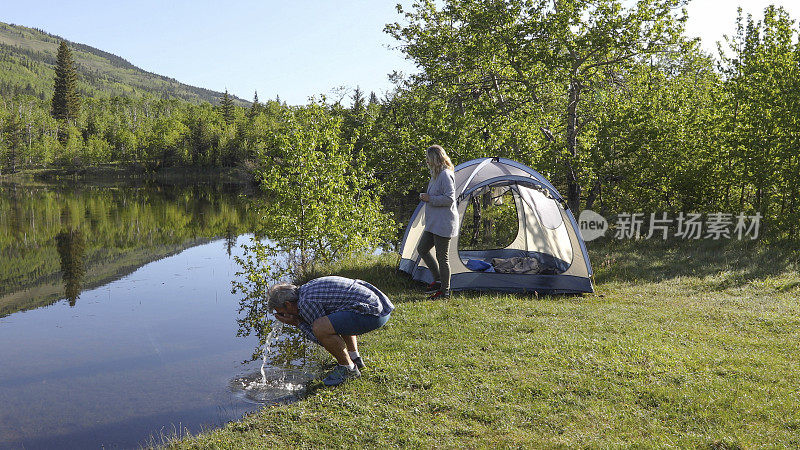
x,y
327,295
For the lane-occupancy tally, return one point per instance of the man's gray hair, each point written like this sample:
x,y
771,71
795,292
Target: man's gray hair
x,y
279,294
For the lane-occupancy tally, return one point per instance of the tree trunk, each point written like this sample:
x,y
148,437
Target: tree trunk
x,y
303,249
793,233
573,186
593,193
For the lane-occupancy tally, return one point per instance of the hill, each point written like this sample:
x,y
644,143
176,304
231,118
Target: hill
x,y
27,65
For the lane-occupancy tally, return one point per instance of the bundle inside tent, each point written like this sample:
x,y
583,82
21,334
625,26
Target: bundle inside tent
x,y
516,235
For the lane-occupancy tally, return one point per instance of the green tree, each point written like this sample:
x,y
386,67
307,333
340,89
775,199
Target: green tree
x,y
506,55
256,107
373,99
323,202
226,105
656,138
12,141
71,247
66,101
761,121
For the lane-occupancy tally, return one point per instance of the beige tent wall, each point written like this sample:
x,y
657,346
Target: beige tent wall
x,y
578,267
523,219
553,241
414,235
456,265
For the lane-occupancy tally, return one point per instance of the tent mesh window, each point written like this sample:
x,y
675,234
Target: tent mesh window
x,y
490,220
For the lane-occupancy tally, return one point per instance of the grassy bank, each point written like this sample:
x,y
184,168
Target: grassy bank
x,y
683,345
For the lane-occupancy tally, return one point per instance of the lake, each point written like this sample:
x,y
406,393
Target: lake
x,y
117,322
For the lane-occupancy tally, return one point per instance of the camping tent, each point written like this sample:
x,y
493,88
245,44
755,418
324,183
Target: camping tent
x,y
540,250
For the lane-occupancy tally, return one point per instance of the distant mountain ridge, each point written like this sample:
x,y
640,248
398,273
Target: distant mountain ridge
x,y
27,65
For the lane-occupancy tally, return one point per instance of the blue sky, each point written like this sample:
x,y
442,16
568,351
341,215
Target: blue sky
x,y
295,49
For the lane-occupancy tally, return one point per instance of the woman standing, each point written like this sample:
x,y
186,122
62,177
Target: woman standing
x,y
441,219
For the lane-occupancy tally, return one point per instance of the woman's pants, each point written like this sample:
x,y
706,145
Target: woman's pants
x,y
440,271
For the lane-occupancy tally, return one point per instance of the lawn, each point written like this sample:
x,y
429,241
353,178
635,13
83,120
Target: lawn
x,y
684,344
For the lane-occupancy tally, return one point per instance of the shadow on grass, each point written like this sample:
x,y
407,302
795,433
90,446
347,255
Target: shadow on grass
x,y
731,263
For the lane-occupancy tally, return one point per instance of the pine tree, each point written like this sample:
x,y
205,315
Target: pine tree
x,y
12,136
373,99
227,108
256,107
358,100
66,100
71,246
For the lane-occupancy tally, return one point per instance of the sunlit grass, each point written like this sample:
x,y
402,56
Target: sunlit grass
x,y
683,345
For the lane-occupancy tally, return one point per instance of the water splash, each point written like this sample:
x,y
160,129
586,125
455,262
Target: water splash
x,y
274,332
272,384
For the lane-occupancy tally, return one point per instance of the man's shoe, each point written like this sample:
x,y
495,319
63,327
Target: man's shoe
x,y
339,375
359,363
440,294
433,287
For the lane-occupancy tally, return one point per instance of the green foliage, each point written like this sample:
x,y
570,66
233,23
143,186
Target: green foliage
x,y
11,142
46,230
607,101
153,133
226,106
322,205
501,61
762,129
255,107
657,138
323,202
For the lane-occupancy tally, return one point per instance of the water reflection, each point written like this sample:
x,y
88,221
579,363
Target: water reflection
x,y
231,233
152,343
71,248
86,236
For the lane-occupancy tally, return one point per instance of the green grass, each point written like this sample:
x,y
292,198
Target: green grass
x,y
687,345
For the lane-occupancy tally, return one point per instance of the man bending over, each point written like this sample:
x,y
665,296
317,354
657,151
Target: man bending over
x,y
333,311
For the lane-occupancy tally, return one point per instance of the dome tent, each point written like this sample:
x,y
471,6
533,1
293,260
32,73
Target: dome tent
x,y
546,253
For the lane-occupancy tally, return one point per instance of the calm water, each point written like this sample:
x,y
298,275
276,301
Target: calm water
x,y
117,324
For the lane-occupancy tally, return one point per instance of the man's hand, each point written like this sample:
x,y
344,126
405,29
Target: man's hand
x,y
424,197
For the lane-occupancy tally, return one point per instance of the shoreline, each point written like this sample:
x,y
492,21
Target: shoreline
x,y
131,172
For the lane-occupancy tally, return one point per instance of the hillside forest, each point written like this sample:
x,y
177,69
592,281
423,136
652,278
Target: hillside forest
x,y
612,103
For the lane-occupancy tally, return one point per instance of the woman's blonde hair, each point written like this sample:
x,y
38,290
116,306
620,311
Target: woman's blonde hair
x,y
437,160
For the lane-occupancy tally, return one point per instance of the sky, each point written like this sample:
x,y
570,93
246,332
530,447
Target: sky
x,y
293,49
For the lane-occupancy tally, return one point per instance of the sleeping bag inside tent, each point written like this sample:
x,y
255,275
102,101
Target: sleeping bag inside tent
x,y
516,234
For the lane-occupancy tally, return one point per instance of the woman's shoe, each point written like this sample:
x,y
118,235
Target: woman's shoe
x,y
440,294
433,287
